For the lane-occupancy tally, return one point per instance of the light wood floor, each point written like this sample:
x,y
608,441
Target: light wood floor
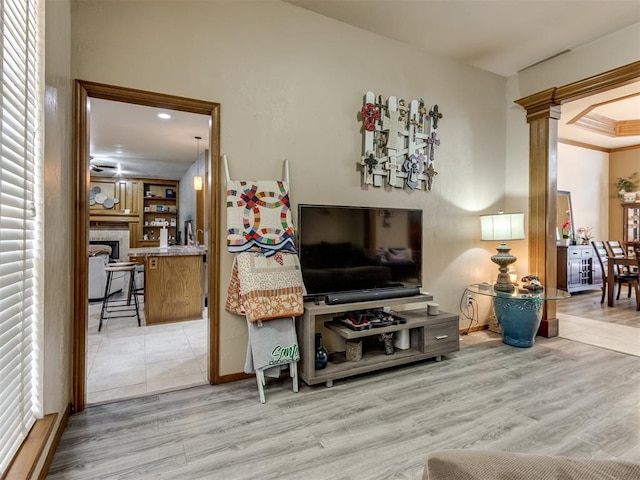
x,y
559,397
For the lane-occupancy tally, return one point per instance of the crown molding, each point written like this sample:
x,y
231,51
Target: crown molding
x,y
598,83
589,146
539,102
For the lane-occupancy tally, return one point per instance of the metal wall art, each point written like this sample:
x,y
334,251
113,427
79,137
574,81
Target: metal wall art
x,y
399,142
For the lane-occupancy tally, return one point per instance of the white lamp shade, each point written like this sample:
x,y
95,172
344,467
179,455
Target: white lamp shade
x,y
502,226
197,182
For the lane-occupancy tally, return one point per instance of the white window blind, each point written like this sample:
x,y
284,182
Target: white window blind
x,y
20,224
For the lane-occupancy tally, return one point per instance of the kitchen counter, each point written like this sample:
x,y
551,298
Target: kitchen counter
x,y
173,282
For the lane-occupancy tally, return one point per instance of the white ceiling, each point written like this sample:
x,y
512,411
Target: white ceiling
x,y
500,36
503,37
607,104
144,145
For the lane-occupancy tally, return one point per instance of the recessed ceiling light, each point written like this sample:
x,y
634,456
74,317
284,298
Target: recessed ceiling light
x,y
164,116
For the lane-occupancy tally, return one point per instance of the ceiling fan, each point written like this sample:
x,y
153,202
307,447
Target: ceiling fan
x,y
94,167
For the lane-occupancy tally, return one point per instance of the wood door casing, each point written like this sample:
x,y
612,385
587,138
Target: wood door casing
x,y
84,90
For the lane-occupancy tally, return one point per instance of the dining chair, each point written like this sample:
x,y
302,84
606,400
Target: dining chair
x,y
631,280
617,250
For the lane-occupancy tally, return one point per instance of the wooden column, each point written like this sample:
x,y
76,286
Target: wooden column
x,y
543,115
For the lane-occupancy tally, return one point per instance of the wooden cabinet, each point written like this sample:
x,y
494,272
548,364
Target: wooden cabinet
x,y
172,288
140,205
631,225
578,268
159,207
430,336
113,200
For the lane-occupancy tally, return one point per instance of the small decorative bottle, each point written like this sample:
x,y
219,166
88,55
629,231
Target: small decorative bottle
x,y
322,357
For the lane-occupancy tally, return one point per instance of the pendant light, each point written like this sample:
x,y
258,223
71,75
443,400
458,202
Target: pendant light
x,y
197,179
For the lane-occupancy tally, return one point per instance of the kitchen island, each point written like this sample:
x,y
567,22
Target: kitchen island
x,y
173,282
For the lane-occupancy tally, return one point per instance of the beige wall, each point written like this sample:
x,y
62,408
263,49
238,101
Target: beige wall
x,y
58,221
621,164
290,83
585,173
609,52
58,215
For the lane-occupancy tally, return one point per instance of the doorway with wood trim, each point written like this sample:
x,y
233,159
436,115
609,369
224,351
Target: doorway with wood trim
x,y
207,216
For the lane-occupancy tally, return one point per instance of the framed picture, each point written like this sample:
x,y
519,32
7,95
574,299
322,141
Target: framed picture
x,y
170,193
159,208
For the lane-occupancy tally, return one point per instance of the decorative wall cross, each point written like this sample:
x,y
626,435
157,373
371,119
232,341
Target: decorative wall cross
x,y
433,142
369,162
435,116
414,166
394,127
422,113
398,139
370,114
393,169
431,172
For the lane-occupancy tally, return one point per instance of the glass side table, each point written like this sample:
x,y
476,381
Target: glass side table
x,y
518,313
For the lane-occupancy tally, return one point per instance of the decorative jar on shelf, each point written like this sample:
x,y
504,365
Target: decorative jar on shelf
x,y
322,357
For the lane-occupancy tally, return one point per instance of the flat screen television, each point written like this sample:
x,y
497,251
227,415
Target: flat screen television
x,y
352,249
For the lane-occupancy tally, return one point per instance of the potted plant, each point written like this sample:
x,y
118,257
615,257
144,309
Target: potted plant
x,y
585,234
626,185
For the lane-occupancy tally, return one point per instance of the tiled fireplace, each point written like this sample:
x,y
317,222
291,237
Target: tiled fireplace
x,y
111,234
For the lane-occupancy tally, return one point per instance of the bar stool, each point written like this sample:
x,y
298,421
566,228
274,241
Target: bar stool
x,y
136,290
120,306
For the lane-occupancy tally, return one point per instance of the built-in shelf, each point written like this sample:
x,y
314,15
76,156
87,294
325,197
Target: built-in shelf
x,y
150,203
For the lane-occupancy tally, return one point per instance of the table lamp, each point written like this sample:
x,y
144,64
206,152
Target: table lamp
x,y
502,226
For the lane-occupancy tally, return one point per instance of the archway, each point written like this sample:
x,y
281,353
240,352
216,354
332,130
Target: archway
x,y
543,113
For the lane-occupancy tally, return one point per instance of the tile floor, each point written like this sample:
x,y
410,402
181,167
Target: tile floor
x,y
125,361
620,338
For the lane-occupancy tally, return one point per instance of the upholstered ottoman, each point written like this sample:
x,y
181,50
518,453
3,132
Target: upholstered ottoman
x,y
493,465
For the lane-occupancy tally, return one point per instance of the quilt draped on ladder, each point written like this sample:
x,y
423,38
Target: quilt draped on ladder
x,y
265,287
259,217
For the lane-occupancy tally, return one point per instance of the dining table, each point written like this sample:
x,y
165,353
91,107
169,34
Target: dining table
x,y
611,267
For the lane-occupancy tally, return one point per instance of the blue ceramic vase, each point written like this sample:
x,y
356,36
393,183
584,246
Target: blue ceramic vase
x,y
519,319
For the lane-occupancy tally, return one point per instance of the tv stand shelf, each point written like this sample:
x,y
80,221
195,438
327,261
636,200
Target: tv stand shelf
x,y
431,336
